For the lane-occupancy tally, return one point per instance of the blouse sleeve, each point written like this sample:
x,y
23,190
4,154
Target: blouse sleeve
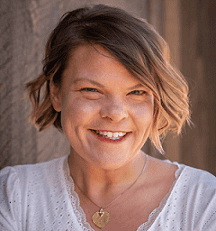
x,y
205,204
10,200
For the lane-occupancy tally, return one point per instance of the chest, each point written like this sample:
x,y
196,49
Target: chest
x,y
129,211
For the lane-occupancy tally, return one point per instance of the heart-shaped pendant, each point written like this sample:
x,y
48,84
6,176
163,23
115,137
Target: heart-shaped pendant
x,y
101,218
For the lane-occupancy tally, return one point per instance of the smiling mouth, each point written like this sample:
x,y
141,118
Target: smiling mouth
x,y
109,136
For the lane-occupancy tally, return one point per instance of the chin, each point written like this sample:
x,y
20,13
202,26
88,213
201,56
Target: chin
x,y
109,162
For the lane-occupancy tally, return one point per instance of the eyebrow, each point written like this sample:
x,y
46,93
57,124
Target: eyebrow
x,y
102,86
136,86
88,80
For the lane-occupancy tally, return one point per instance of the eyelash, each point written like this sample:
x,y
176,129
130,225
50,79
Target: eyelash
x,y
89,89
142,92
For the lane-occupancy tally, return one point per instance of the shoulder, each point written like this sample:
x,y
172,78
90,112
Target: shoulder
x,y
20,177
198,196
196,178
23,190
183,174
160,171
195,187
21,171
193,182
192,199
195,194
198,186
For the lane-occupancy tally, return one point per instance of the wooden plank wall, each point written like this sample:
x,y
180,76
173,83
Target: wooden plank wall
x,y
189,28
198,65
171,33
164,15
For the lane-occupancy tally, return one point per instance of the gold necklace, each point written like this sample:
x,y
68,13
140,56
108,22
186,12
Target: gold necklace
x,y
101,218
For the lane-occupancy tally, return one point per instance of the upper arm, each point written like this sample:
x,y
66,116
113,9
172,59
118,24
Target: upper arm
x,y
10,200
207,203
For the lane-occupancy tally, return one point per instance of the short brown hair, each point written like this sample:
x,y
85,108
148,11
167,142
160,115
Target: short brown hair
x,y
135,43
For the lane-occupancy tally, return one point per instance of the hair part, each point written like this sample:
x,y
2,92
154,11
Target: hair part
x,y
135,43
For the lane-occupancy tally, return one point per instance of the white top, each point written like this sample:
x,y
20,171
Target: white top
x,y
41,197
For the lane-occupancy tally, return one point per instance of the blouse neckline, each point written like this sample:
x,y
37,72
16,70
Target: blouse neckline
x,y
81,217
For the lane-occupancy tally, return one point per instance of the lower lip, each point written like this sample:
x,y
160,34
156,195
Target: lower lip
x,y
101,138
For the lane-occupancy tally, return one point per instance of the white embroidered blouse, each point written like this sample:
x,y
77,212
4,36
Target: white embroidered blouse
x,y
42,197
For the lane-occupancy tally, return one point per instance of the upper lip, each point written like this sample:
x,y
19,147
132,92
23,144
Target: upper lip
x,y
102,130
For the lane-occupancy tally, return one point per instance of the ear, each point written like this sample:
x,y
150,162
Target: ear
x,y
55,96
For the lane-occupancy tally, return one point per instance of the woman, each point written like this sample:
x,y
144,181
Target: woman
x,y
109,87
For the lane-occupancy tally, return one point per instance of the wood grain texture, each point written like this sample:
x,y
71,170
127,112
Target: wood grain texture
x,y
198,65
171,33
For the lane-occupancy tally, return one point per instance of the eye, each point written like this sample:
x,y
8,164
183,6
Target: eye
x,y
138,92
90,93
88,89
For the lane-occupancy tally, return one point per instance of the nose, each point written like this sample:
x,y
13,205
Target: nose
x,y
114,110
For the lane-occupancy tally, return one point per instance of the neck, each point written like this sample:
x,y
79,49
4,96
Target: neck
x,y
97,182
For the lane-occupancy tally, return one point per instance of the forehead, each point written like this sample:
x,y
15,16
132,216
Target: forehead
x,y
95,62
90,57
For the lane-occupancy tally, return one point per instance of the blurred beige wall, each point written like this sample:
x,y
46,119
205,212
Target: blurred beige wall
x,y
187,26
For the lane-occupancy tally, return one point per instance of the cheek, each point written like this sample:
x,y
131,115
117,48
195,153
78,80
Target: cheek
x,y
145,117
143,114
145,122
77,112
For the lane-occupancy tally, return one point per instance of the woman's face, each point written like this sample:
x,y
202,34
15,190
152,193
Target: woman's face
x,y
106,113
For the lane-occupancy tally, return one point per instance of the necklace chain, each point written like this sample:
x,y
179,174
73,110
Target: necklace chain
x,y
121,193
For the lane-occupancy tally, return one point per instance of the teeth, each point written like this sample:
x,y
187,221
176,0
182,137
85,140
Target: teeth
x,y
111,135
115,134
